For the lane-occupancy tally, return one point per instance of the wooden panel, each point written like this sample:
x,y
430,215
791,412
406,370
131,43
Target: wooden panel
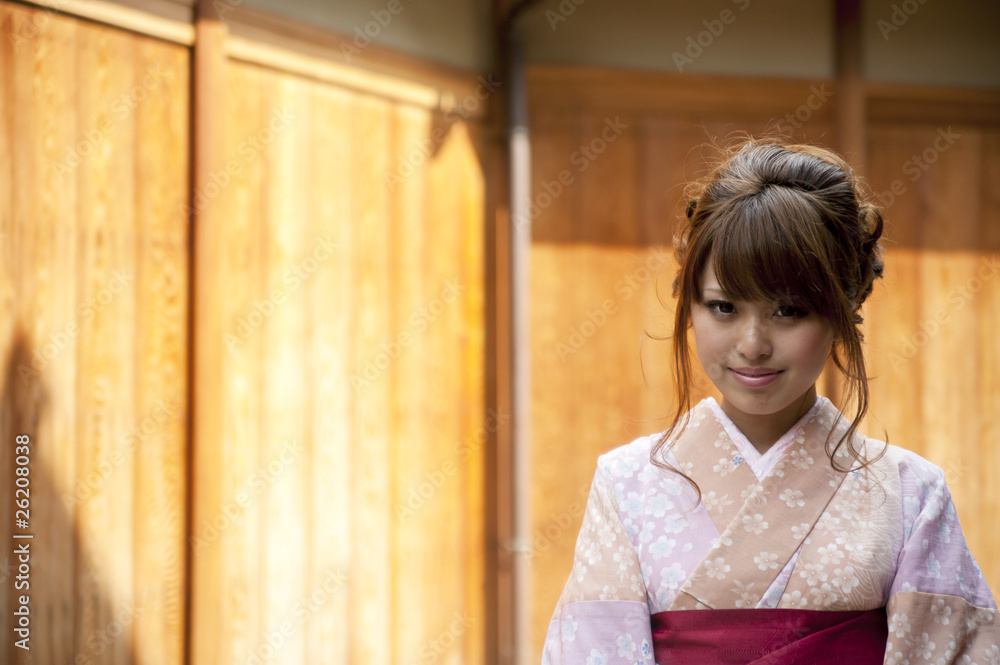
x,y
349,243
928,338
555,209
95,161
585,301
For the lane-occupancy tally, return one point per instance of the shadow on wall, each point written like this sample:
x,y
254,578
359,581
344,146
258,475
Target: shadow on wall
x,y
58,605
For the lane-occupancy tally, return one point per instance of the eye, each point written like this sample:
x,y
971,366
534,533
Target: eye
x,y
720,306
789,312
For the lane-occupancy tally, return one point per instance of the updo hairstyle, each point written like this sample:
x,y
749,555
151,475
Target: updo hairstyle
x,y
781,223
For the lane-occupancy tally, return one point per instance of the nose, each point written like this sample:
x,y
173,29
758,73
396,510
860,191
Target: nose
x,y
753,341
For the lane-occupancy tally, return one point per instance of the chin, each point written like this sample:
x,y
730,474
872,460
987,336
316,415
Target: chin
x,y
758,407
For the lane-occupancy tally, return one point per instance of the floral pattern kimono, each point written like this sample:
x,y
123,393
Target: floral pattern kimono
x,y
782,530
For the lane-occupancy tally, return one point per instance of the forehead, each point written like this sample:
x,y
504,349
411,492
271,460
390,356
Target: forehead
x,y
708,279
708,282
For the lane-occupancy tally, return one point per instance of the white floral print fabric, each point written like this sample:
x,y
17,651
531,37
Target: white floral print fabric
x,y
775,530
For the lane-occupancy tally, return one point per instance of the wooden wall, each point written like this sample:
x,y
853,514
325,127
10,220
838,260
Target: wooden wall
x,y
607,205
319,468
932,327
94,281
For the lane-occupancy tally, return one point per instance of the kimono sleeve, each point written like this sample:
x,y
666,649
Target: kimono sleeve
x,y
602,617
940,608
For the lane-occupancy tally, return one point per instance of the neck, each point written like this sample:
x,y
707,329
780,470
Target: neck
x,y
763,431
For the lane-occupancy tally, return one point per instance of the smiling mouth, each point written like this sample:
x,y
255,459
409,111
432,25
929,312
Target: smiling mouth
x,y
755,377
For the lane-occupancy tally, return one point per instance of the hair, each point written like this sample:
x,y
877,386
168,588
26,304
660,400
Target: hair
x,y
781,223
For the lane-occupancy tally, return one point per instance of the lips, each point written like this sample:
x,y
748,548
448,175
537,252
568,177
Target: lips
x,y
755,377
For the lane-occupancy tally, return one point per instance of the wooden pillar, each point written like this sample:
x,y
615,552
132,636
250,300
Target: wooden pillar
x,y
849,63
508,491
206,610
849,120
499,490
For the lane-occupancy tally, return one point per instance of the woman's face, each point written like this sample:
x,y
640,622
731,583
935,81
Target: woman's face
x,y
764,357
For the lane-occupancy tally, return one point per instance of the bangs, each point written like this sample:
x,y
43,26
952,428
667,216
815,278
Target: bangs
x,y
771,246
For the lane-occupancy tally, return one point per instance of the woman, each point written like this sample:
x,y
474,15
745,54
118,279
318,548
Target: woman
x,y
765,528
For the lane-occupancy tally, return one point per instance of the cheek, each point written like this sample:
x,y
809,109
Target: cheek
x,y
812,347
709,342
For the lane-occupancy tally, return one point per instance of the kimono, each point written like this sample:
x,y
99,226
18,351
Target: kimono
x,y
875,555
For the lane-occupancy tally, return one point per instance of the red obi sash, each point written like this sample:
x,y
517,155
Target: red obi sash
x,y
769,637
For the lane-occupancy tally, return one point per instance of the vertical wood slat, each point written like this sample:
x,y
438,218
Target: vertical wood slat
x,y
370,598
469,155
244,485
161,339
285,559
53,305
415,460
13,344
988,319
332,344
104,571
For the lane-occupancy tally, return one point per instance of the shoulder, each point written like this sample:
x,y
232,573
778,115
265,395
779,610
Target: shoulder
x,y
911,467
627,461
921,484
